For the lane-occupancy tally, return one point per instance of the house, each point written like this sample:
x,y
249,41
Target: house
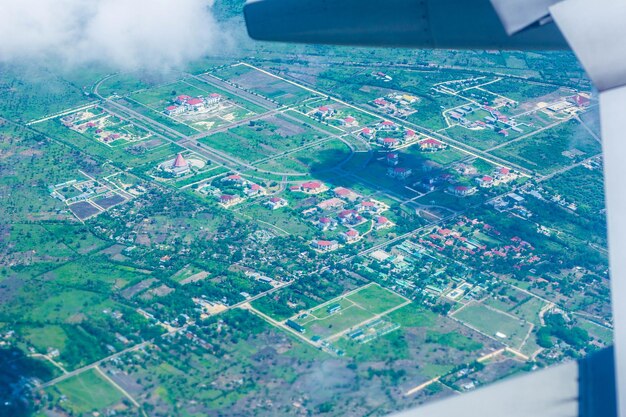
x,y
431,145
228,200
503,174
214,98
462,190
504,133
182,99
387,125
367,206
253,189
342,192
325,245
350,217
381,102
399,173
350,236
485,181
392,159
195,103
464,169
313,187
174,110
275,203
235,179
388,142
455,116
331,203
325,111
381,222
349,122
410,134
368,133
325,223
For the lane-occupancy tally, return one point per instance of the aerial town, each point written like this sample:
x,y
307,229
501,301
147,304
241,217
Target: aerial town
x,y
343,234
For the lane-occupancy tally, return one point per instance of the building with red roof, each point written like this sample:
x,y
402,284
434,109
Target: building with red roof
x,y
388,142
195,103
462,190
381,102
254,189
368,133
177,166
325,111
367,206
234,178
228,200
313,187
431,145
485,181
343,192
381,222
387,125
182,99
174,110
325,245
350,236
325,223
349,122
275,203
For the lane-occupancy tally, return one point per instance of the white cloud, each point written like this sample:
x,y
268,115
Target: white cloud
x,y
124,34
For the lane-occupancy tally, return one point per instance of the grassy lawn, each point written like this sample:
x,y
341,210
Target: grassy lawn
x,y
284,220
356,308
376,299
491,321
87,392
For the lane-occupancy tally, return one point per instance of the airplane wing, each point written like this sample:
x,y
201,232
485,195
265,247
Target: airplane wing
x,y
405,23
576,389
596,31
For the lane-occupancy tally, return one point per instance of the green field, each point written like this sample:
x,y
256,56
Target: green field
x,y
491,322
266,85
543,152
356,308
87,392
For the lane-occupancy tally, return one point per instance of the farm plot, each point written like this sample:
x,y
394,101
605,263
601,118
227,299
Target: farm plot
x,y
265,84
264,138
550,150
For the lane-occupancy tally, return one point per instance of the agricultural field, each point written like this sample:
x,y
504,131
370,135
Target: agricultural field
x,y
549,151
266,85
